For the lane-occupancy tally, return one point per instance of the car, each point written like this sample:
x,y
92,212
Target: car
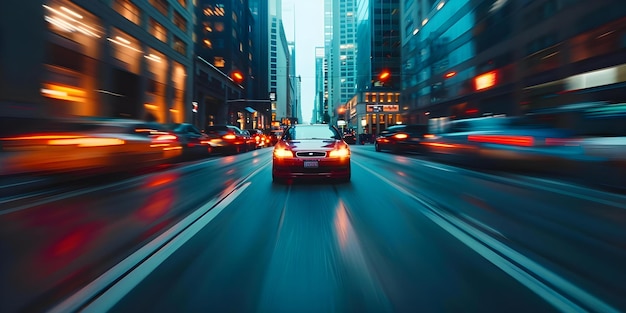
x,y
349,137
274,135
311,151
402,138
516,142
258,136
194,142
251,143
227,139
90,146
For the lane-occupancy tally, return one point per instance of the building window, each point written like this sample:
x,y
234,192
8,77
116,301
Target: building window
x,y
157,30
161,6
180,21
128,10
180,46
219,62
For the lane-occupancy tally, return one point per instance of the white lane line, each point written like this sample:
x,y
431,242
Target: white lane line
x,y
120,289
174,237
115,276
21,183
436,167
487,246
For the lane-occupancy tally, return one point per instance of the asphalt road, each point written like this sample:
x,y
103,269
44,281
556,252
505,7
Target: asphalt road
x,y
405,235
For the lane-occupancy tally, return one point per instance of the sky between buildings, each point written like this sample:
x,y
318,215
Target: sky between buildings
x,y
306,18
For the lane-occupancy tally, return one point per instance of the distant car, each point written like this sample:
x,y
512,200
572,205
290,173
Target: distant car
x,y
258,136
311,151
227,139
250,140
274,136
349,138
194,142
402,138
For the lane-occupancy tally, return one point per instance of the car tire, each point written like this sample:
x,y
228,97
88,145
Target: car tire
x,y
377,147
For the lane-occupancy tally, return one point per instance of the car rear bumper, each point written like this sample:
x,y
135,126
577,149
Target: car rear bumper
x,y
294,168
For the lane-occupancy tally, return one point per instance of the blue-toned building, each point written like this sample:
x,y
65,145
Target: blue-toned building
x,y
469,58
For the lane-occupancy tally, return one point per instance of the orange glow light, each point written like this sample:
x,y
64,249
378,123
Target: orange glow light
x,y
63,92
87,142
384,75
485,81
450,74
525,141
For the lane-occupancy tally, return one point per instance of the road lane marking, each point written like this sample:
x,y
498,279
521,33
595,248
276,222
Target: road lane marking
x,y
436,167
521,269
109,288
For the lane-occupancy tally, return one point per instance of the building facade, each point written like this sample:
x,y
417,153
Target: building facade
x,y
113,58
378,59
472,58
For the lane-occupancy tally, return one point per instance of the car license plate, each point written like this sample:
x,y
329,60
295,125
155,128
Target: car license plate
x,y
311,164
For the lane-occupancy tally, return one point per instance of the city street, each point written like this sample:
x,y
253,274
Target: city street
x,y
405,235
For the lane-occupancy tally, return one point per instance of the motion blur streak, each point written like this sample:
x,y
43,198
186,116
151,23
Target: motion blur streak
x,y
125,284
353,256
520,267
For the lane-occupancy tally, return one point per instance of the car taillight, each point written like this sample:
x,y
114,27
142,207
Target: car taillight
x,y
340,152
229,137
165,138
282,152
430,136
400,136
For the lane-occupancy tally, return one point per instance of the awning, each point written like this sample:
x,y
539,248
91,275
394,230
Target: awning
x,y
251,110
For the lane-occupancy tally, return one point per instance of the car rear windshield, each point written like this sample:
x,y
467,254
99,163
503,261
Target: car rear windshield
x,y
311,132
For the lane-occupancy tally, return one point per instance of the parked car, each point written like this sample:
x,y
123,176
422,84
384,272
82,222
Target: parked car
x,y
402,138
227,139
311,151
94,145
194,142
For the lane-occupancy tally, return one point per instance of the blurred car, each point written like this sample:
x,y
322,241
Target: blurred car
x,y
250,140
274,135
88,146
227,139
259,137
349,137
402,138
514,142
311,151
194,142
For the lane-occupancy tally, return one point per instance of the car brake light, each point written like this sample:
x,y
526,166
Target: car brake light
x,y
165,138
229,137
400,136
340,152
282,153
430,136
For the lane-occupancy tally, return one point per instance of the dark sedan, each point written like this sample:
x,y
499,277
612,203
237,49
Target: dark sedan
x,y
194,142
311,151
402,138
227,139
